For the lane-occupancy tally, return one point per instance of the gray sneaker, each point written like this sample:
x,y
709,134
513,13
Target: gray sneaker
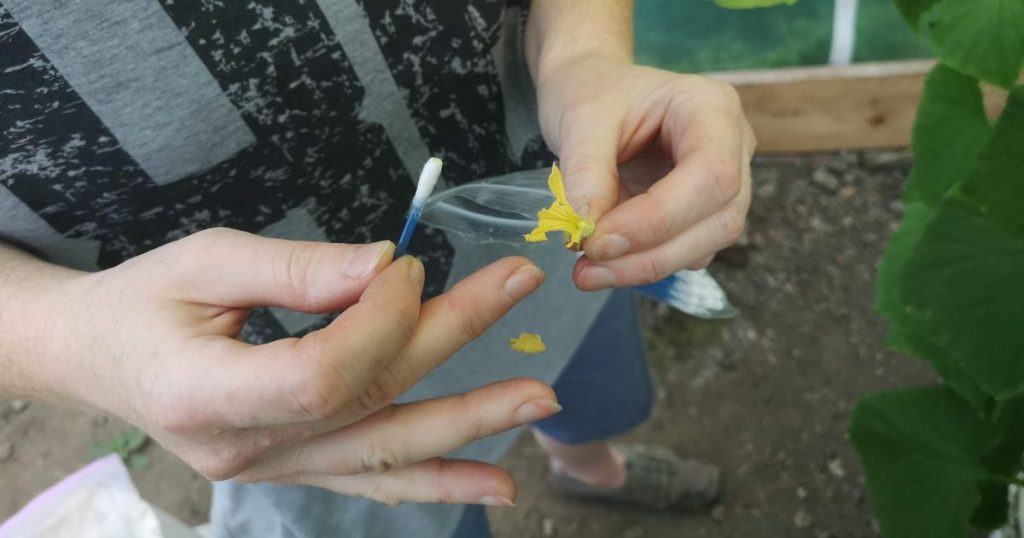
x,y
655,478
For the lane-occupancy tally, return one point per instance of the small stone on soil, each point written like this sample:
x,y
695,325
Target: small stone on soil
x,y
547,526
835,468
718,512
825,179
19,405
885,159
801,492
802,519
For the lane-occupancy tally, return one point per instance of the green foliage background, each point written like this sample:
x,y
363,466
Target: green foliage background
x,y
698,35
940,459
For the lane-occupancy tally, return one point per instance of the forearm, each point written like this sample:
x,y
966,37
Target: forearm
x,y
558,31
31,321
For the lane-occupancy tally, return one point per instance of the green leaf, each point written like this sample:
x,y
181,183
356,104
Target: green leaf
x,y
136,439
921,450
963,284
991,512
964,290
751,4
1004,459
950,132
119,444
948,367
138,461
902,334
98,451
912,10
889,300
981,38
997,185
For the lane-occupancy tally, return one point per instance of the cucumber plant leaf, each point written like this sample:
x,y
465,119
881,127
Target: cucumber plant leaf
x,y
980,38
922,449
962,283
913,10
950,131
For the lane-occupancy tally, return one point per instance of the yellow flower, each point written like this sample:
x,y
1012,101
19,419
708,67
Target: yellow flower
x,y
560,217
527,343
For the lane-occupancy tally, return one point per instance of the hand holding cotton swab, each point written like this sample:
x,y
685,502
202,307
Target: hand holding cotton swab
x,y
428,179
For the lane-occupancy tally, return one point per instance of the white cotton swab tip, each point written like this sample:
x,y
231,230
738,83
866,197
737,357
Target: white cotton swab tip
x,y
428,179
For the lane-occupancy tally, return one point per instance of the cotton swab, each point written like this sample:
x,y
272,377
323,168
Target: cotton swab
x,y
428,179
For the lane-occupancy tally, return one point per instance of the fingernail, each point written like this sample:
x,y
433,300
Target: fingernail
x,y
522,282
610,246
536,410
365,259
494,500
597,277
415,269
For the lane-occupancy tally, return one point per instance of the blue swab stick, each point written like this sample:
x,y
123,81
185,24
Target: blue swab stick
x,y
428,179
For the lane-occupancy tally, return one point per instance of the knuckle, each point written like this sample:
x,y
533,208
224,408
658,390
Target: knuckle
x,y
377,394
378,458
578,164
222,465
317,395
733,224
178,419
654,267
717,92
381,494
748,131
724,173
293,273
406,319
659,220
200,243
728,94
210,235
472,427
439,469
468,324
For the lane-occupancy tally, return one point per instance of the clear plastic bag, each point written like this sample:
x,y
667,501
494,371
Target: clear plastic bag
x,y
502,209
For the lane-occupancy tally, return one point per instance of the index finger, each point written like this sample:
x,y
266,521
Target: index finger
x,y
707,176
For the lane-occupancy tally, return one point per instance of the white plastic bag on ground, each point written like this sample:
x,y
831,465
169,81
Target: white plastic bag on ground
x,y
98,501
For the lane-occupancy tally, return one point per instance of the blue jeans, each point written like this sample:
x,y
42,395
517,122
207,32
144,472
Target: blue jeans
x,y
605,390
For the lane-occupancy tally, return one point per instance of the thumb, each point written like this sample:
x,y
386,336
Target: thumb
x,y
588,158
233,268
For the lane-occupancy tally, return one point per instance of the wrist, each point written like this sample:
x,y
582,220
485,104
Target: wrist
x,y
34,325
561,33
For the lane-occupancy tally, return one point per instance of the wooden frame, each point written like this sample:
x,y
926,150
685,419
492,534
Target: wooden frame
x,y
868,105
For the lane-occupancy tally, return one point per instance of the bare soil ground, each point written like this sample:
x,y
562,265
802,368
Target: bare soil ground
x,y
766,396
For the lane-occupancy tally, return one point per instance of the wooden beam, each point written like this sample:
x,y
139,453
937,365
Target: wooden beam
x,y
868,105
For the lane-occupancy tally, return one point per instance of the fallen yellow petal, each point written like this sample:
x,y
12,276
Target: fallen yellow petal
x,y
560,217
527,343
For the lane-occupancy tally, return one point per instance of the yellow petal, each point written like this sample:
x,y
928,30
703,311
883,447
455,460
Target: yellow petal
x,y
560,216
527,343
556,185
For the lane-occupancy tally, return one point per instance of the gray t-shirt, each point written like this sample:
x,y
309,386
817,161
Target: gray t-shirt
x,y
128,124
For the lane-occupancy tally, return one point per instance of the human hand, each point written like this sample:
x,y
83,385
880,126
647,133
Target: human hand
x,y
155,343
682,138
